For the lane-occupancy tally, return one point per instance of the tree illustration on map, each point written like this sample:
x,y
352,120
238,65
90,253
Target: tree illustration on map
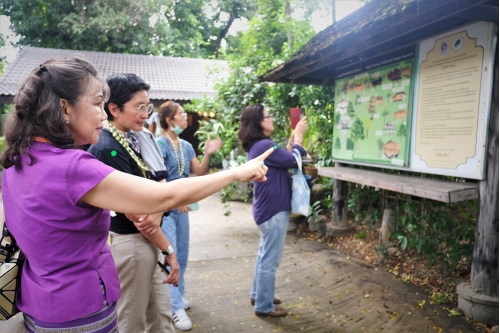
x,y
372,112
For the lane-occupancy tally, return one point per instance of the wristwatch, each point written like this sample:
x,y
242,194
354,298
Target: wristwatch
x,y
170,250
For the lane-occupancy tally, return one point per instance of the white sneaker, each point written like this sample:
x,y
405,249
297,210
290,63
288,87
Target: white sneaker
x,y
187,305
181,320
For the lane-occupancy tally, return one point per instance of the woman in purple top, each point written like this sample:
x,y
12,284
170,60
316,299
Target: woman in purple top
x,y
271,202
57,199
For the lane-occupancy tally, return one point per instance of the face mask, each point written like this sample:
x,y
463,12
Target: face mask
x,y
177,129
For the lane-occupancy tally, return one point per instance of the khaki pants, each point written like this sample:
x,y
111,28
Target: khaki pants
x,y
144,304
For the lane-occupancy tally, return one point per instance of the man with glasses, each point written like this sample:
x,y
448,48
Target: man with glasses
x,y
136,240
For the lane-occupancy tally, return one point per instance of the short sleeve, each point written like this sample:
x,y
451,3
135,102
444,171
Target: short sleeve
x,y
161,143
84,173
190,151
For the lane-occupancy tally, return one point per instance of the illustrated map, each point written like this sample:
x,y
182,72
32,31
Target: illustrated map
x,y
371,116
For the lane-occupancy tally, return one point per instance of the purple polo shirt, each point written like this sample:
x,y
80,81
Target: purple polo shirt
x,y
275,194
64,240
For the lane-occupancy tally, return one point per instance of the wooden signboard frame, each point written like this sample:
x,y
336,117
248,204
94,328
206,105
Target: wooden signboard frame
x,y
454,79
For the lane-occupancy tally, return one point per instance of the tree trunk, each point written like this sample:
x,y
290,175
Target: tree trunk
x,y
484,274
224,32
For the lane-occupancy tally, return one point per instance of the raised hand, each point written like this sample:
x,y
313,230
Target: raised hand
x,y
301,128
211,146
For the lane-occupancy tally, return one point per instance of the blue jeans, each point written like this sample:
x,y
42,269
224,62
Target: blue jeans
x,y
176,229
272,241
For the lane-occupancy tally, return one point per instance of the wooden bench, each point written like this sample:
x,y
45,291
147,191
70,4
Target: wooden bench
x,y
428,188
435,189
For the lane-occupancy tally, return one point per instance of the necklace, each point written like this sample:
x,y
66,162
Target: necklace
x,y
118,135
40,139
180,161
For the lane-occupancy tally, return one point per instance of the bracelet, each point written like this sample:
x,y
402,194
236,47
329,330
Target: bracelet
x,y
298,140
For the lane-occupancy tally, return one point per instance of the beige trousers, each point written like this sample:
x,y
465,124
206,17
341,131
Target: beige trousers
x,y
144,305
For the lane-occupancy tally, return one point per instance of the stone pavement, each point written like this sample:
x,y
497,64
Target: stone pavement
x,y
323,290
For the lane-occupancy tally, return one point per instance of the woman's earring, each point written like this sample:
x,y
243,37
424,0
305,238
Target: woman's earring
x,y
67,122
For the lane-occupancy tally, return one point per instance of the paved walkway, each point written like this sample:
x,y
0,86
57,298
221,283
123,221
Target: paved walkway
x,y
323,290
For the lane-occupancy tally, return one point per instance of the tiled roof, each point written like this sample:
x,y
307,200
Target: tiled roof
x,y
169,77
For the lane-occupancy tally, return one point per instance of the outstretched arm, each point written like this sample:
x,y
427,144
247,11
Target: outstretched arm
x,y
134,195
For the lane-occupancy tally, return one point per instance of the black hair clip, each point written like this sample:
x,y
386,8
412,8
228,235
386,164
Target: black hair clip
x,y
41,70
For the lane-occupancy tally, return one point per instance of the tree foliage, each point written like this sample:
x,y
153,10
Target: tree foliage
x,y
350,110
262,47
189,28
401,131
357,132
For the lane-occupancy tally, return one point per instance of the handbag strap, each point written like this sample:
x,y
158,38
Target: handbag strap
x,y
12,247
298,158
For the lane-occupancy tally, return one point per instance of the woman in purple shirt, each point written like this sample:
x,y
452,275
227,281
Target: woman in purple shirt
x,y
57,199
271,202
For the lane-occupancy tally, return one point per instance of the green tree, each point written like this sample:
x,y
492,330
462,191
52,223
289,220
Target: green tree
x,y
113,26
385,113
401,131
265,44
349,144
193,28
337,118
350,110
388,95
380,146
235,9
337,144
367,124
357,132
371,106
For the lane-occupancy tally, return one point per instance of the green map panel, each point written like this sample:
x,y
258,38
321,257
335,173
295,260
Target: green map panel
x,y
372,112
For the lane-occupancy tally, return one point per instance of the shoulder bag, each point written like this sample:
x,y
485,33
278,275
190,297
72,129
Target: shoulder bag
x,y
301,194
11,263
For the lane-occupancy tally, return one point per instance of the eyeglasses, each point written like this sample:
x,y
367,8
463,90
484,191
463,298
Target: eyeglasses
x,y
183,115
143,108
99,104
267,117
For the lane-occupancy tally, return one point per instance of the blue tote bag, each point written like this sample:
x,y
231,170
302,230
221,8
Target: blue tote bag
x,y
301,194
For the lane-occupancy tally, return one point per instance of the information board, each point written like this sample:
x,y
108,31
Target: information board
x,y
452,102
372,113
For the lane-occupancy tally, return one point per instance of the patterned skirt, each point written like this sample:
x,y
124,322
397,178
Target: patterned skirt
x,y
102,321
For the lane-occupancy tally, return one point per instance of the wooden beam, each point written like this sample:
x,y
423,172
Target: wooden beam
x,y
414,30
428,13
440,190
482,13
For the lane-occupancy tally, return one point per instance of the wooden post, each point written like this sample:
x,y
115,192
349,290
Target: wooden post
x,y
387,222
484,275
386,227
339,208
479,299
338,226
